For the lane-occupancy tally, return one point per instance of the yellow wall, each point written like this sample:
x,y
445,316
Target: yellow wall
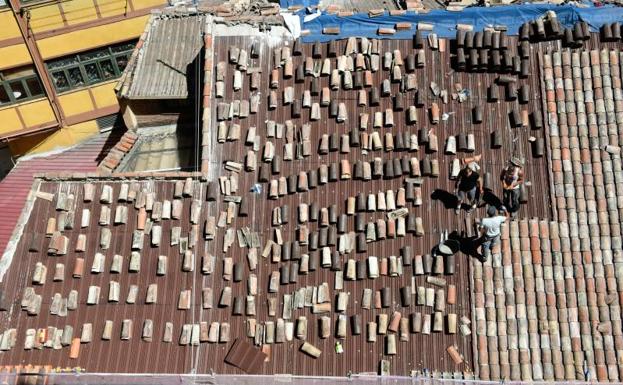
x,y
10,120
14,56
142,4
34,113
88,99
9,28
78,11
104,95
49,17
37,113
111,7
75,103
64,137
86,39
46,18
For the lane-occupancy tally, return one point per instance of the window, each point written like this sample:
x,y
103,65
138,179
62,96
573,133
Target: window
x,y
90,67
19,84
109,122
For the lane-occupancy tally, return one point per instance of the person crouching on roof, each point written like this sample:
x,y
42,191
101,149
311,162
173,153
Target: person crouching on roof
x,y
512,178
468,185
490,231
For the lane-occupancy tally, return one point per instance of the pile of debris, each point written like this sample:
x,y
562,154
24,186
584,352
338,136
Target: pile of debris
x,y
237,8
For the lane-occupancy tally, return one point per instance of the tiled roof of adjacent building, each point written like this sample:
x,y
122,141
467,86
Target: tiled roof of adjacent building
x,y
548,307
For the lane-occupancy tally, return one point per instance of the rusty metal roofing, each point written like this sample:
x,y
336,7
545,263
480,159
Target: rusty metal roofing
x,y
117,355
167,56
436,217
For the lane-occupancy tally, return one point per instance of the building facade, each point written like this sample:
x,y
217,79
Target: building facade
x,y
59,63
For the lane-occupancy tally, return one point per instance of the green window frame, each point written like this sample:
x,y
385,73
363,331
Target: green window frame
x,y
19,85
91,67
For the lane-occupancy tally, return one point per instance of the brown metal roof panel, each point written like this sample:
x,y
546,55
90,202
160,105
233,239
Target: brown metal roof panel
x,y
246,357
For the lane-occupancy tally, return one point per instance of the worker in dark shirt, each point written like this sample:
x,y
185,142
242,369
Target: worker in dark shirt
x,y
468,186
512,179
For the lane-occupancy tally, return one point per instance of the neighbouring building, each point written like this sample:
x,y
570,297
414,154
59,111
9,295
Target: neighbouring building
x,y
59,64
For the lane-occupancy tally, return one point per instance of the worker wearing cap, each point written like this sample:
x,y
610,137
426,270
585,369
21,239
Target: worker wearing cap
x,y
490,230
512,178
468,185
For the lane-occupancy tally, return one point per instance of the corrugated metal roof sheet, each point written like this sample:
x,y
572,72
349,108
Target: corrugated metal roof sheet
x,y
118,355
15,187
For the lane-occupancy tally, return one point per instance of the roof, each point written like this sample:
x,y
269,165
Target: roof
x,y
14,189
434,213
290,195
164,57
358,6
117,355
283,357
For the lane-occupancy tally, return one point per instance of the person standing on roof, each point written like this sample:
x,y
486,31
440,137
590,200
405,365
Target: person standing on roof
x,y
512,178
490,232
468,185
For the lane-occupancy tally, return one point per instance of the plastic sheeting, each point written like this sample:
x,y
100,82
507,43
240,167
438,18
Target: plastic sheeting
x,y
512,16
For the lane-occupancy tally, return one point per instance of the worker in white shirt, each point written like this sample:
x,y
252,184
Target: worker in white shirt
x,y
490,231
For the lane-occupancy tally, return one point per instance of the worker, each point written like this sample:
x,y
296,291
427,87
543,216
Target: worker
x,y
468,185
490,232
512,178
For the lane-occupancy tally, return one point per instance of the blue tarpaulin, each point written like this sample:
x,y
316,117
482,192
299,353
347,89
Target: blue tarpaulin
x,y
511,16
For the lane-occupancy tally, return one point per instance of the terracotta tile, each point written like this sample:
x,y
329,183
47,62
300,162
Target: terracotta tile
x,y
125,147
111,163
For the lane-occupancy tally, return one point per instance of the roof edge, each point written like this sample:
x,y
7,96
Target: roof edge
x,y
105,176
18,230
